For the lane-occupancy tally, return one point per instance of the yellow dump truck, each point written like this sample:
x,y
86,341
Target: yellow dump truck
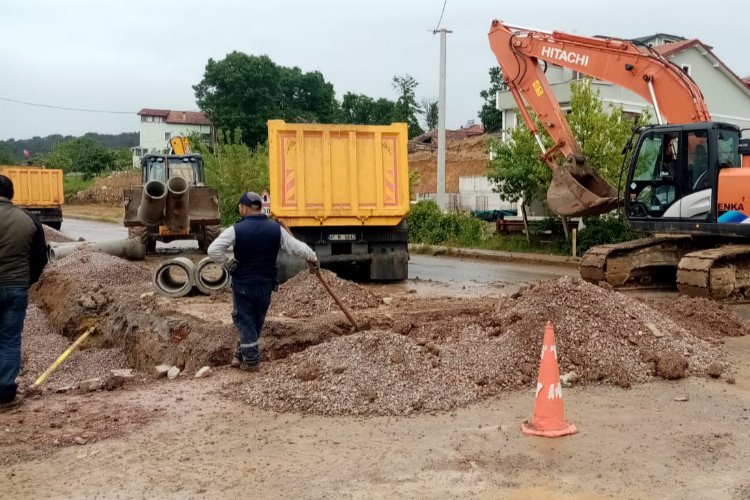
x,y
343,190
38,190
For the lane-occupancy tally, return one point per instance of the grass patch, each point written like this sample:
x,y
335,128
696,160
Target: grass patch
x,y
72,184
519,244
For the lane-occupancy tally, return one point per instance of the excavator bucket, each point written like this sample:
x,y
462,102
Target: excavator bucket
x,y
577,190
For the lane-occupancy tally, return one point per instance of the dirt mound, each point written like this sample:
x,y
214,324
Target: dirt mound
x,y
108,190
92,269
55,236
704,318
468,157
42,346
438,359
304,296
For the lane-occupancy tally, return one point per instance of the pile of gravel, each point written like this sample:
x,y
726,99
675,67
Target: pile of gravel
x,y
92,269
41,347
303,296
704,318
602,336
54,236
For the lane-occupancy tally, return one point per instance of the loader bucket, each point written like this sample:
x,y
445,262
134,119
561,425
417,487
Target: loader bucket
x,y
577,190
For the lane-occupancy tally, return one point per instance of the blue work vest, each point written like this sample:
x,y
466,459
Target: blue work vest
x,y
256,247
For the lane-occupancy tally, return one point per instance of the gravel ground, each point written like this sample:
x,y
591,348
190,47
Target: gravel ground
x,y
602,337
303,296
703,317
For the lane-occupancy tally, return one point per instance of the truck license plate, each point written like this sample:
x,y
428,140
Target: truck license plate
x,y
342,237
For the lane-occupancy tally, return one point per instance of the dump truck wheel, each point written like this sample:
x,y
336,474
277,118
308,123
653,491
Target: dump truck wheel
x,y
210,233
54,225
140,233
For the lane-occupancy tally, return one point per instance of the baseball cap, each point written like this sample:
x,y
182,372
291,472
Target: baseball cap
x,y
251,199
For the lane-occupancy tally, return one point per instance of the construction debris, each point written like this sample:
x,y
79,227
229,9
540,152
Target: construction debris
x,y
204,372
173,373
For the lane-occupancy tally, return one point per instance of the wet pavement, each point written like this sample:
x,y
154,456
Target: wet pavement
x,y
103,231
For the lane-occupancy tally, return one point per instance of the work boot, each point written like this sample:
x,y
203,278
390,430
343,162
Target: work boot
x,y
11,404
236,362
249,368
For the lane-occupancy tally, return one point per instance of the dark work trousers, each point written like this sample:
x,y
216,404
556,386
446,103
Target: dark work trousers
x,y
251,303
13,302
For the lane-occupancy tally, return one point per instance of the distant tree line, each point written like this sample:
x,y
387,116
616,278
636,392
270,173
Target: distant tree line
x,y
11,151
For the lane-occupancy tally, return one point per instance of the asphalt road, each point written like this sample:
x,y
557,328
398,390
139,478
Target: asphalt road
x,y
427,274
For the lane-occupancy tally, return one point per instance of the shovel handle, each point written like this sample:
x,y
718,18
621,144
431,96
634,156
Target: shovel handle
x,y
338,302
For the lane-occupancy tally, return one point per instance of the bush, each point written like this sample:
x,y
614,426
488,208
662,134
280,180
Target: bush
x,y
234,168
603,230
428,225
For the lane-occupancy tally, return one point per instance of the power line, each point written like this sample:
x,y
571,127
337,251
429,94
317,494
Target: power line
x,y
441,16
67,109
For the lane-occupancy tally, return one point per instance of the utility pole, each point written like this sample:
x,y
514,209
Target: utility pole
x,y
440,194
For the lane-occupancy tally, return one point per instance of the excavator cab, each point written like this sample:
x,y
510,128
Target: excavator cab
x,y
676,174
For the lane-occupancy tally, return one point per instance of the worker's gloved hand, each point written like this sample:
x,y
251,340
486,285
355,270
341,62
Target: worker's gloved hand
x,y
229,266
314,266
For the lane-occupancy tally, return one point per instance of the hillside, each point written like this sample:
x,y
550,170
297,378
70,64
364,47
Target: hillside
x,y
468,157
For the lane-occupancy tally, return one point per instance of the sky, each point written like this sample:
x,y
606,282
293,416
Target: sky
x,y
127,55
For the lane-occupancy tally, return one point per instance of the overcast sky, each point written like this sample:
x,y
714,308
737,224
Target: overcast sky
x,y
127,55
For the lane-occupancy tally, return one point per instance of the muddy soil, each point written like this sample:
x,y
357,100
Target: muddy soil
x,y
194,443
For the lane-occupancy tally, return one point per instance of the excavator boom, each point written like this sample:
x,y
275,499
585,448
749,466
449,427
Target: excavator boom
x,y
576,188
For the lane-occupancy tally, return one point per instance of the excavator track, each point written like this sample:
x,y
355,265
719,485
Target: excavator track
x,y
719,273
639,262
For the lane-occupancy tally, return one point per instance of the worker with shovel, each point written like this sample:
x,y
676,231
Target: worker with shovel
x,y
256,240
23,255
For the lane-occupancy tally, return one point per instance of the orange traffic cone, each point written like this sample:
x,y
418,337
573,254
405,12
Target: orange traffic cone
x,y
549,413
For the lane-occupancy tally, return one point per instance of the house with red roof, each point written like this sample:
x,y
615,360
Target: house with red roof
x,y
158,126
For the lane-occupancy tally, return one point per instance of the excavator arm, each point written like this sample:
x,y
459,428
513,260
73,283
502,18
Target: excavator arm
x,y
576,189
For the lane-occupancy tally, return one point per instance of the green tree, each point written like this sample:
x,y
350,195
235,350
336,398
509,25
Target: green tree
x,y
244,91
600,133
81,155
430,111
6,158
233,168
518,173
407,109
491,117
364,110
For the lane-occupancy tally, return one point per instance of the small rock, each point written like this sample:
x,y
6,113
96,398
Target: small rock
x,y
569,379
411,291
173,372
147,294
79,440
161,371
113,382
715,370
86,302
681,399
654,330
387,300
671,365
126,373
90,385
339,369
204,372
730,380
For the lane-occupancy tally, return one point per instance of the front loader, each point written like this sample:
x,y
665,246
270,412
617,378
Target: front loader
x,y
173,203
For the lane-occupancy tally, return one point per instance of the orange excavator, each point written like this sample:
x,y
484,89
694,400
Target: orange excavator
x,y
685,182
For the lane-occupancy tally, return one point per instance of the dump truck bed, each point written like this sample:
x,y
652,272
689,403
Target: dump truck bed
x,y
338,175
35,187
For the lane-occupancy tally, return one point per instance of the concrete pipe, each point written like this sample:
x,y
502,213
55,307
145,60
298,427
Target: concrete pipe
x,y
210,277
175,277
126,249
151,210
177,212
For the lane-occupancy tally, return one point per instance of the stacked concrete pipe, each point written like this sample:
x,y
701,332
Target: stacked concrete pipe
x,y
165,283
197,276
206,283
125,249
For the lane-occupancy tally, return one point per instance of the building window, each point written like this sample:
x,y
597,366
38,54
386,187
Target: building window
x,y
167,136
686,69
